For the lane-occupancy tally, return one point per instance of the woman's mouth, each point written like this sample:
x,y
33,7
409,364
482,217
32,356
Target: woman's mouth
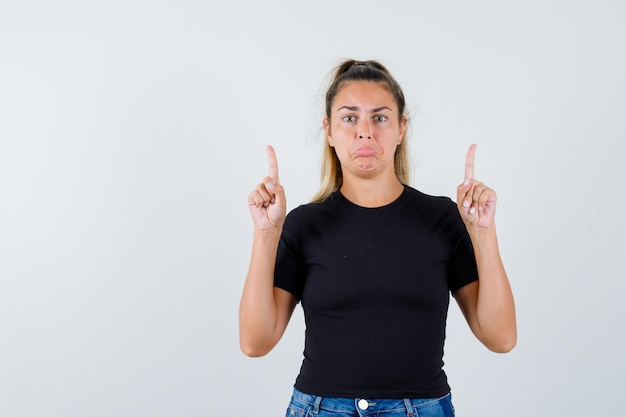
x,y
364,152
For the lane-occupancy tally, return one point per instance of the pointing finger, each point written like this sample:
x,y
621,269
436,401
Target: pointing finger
x,y
272,164
469,163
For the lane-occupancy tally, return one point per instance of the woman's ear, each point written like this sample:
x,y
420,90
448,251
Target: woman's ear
x,y
326,124
403,123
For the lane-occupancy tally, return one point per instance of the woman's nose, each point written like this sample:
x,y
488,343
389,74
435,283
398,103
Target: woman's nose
x,y
364,130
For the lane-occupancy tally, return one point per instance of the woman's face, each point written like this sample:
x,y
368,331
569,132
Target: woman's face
x,y
365,128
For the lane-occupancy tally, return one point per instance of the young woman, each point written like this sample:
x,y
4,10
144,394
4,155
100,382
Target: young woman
x,y
373,262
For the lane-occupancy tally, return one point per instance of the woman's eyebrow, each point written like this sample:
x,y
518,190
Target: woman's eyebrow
x,y
355,108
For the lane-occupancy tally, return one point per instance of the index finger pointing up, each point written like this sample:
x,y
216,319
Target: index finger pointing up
x,y
272,163
469,163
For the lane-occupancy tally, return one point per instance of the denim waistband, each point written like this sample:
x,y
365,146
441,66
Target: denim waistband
x,y
362,406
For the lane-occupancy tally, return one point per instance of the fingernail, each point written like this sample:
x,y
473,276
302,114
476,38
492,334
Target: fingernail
x,y
273,200
269,185
466,204
472,210
467,181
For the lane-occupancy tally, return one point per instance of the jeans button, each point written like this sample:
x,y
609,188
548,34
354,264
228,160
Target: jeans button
x,y
363,404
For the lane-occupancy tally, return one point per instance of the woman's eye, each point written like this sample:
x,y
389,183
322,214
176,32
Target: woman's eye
x,y
349,118
380,118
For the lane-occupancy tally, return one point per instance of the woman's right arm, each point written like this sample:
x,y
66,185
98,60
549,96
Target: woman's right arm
x,y
265,310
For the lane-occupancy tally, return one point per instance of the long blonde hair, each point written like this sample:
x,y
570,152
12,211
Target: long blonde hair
x,y
351,70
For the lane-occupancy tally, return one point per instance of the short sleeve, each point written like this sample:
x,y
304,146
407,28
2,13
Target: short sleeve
x,y
289,268
462,268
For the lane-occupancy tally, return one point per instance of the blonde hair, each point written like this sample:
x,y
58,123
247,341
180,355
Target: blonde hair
x,y
351,70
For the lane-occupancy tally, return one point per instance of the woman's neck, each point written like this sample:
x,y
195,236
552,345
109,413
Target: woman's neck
x,y
372,193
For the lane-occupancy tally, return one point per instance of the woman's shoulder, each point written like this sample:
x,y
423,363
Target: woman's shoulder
x,y
313,209
329,203
437,210
422,198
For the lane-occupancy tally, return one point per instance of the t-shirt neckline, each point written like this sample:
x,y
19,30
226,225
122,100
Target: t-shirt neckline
x,y
398,202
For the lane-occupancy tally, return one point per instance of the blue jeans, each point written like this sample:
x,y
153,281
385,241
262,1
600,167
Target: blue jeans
x,y
306,405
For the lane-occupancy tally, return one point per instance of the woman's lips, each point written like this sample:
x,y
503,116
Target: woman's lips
x,y
365,152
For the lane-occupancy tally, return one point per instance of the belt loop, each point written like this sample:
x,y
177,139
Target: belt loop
x,y
409,408
316,404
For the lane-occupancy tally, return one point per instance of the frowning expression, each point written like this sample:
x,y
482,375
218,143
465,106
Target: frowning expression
x,y
365,128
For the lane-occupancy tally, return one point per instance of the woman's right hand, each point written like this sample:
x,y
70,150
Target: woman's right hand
x,y
267,202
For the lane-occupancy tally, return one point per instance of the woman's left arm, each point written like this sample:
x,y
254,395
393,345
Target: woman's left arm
x,y
487,304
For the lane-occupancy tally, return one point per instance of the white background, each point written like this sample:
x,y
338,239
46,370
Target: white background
x,y
132,131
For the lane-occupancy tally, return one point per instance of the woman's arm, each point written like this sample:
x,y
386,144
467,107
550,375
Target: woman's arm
x,y
265,310
487,304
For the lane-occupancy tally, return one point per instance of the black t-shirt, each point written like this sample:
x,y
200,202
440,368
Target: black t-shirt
x,y
374,285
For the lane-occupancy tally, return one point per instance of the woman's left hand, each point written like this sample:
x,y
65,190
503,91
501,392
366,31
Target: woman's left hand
x,y
476,202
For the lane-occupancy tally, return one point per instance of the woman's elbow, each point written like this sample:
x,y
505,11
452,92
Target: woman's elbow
x,y
254,348
502,344
253,351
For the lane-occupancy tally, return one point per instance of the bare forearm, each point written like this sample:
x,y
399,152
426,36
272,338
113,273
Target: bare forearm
x,y
495,309
257,310
264,310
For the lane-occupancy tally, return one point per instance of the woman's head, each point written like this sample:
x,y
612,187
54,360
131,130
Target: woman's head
x,y
372,71
351,71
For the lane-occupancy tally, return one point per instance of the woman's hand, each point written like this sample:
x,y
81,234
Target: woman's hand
x,y
267,202
487,304
475,201
265,310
